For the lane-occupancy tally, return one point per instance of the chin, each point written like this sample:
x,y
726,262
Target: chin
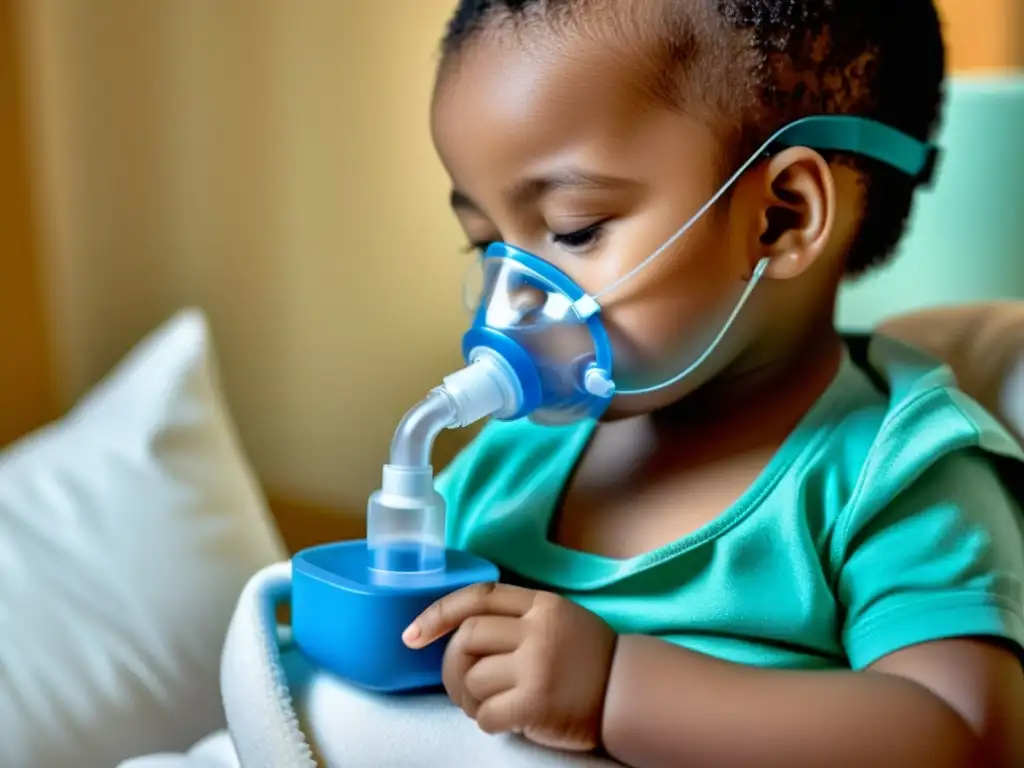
x,y
678,397
631,406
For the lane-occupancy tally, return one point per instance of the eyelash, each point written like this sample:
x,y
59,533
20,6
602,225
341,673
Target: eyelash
x,y
477,248
580,238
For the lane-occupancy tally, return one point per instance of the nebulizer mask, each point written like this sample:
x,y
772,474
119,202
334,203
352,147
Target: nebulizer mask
x,y
537,348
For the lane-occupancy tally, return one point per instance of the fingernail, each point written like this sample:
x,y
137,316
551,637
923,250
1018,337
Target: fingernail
x,y
411,634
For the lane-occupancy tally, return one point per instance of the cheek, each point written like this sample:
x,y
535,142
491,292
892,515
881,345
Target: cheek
x,y
678,305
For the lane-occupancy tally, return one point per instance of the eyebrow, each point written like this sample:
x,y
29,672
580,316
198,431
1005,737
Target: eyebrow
x,y
528,190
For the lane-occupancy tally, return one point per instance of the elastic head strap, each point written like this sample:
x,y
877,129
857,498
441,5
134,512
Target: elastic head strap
x,y
865,137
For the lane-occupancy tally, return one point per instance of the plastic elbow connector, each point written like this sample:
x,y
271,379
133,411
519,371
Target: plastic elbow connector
x,y
405,519
485,387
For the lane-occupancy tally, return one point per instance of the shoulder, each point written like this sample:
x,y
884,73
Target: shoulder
x,y
925,419
894,421
517,449
929,542
505,459
927,447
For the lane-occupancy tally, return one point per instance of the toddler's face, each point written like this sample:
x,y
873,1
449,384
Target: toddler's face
x,y
552,148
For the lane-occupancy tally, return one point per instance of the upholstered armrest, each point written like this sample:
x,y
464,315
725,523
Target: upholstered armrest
x,y
983,344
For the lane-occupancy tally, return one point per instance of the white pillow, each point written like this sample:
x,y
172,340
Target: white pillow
x,y
127,531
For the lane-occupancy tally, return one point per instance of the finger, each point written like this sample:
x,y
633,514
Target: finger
x,y
507,712
478,637
450,611
490,676
454,668
488,635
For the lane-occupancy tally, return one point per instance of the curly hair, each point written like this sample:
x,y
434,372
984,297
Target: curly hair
x,y
757,65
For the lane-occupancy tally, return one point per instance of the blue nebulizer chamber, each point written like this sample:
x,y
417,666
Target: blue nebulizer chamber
x,y
348,618
352,600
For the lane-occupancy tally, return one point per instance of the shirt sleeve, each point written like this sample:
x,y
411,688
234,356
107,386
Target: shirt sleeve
x,y
945,559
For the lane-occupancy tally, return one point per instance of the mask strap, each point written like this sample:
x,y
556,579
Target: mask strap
x,y
825,132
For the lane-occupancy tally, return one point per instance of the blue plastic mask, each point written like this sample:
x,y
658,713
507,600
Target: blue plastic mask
x,y
549,330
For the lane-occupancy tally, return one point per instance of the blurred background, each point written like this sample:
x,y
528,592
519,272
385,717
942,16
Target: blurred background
x,y
269,161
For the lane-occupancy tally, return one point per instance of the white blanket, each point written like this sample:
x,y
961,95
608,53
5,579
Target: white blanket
x,y
344,726
351,728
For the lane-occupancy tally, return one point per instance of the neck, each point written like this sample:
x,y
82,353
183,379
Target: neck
x,y
763,393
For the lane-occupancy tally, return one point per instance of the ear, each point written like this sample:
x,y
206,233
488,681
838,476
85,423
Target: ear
x,y
797,211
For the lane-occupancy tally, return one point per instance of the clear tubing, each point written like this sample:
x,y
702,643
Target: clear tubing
x,y
693,219
589,304
759,271
414,439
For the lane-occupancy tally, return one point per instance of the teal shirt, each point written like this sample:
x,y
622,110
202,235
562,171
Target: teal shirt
x,y
882,522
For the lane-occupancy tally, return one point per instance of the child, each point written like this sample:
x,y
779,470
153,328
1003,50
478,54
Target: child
x,y
778,557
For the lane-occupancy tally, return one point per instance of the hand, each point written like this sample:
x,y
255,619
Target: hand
x,y
522,661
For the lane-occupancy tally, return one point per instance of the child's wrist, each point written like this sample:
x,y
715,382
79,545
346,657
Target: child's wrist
x,y
626,681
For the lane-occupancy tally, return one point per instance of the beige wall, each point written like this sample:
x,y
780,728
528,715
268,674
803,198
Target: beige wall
x,y
25,383
268,160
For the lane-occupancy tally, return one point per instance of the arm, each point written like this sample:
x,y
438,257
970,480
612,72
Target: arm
x,y
948,703
943,564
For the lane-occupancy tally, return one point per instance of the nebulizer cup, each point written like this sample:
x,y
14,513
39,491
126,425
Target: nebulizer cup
x,y
405,524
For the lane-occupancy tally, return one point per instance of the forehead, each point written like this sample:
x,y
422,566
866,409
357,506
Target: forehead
x,y
514,78
514,104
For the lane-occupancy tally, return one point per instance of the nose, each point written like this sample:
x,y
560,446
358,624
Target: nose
x,y
526,300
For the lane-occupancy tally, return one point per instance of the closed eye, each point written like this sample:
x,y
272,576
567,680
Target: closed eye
x,y
477,247
580,238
